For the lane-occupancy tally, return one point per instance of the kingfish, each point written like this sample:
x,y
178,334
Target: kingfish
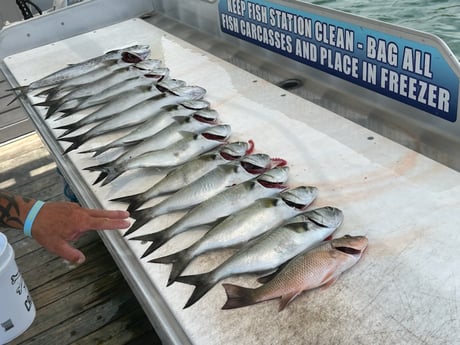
x,y
131,54
320,266
221,205
154,125
189,172
205,187
240,227
191,146
141,113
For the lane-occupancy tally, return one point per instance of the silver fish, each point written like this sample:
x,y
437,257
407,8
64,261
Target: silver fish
x,y
131,54
191,146
124,102
140,113
61,102
320,266
189,172
86,83
221,205
269,251
166,84
152,126
240,227
205,187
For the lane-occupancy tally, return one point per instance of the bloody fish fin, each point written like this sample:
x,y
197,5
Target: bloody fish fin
x,y
286,299
237,296
202,283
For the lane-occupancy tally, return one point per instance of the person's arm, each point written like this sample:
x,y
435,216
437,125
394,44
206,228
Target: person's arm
x,y
58,223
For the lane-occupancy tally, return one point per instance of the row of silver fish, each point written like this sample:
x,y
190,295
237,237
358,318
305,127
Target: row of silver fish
x,y
240,197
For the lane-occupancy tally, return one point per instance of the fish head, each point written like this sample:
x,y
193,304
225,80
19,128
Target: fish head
x,y
206,116
157,74
169,84
353,246
256,163
148,64
329,217
135,53
196,104
217,133
274,178
299,197
189,92
233,151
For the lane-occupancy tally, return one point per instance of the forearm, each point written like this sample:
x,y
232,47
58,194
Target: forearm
x,y
14,209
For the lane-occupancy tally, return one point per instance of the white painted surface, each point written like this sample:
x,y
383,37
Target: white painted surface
x,y
404,289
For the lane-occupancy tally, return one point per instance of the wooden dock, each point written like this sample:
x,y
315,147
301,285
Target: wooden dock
x,y
86,304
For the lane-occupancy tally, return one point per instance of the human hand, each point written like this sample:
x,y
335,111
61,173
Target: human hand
x,y
59,223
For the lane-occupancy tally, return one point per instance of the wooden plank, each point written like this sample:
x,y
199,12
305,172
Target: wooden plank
x,y
122,331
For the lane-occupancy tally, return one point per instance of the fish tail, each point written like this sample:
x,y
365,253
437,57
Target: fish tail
x,y
202,283
141,217
179,262
157,238
237,296
97,151
134,201
69,128
67,112
76,142
125,199
107,170
22,90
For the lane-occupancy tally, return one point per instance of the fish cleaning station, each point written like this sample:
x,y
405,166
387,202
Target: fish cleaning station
x,y
359,115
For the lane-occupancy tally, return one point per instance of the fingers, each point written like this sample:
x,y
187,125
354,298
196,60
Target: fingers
x,y
107,224
117,214
69,253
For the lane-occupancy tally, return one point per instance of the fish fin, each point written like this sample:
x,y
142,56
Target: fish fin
x,y
109,172
141,217
96,151
157,238
69,128
286,299
179,261
329,280
22,91
76,142
237,296
202,283
125,199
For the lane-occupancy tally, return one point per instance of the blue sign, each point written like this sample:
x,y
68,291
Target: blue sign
x,y
411,72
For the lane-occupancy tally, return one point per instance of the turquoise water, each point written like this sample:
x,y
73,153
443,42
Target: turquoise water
x,y
438,17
